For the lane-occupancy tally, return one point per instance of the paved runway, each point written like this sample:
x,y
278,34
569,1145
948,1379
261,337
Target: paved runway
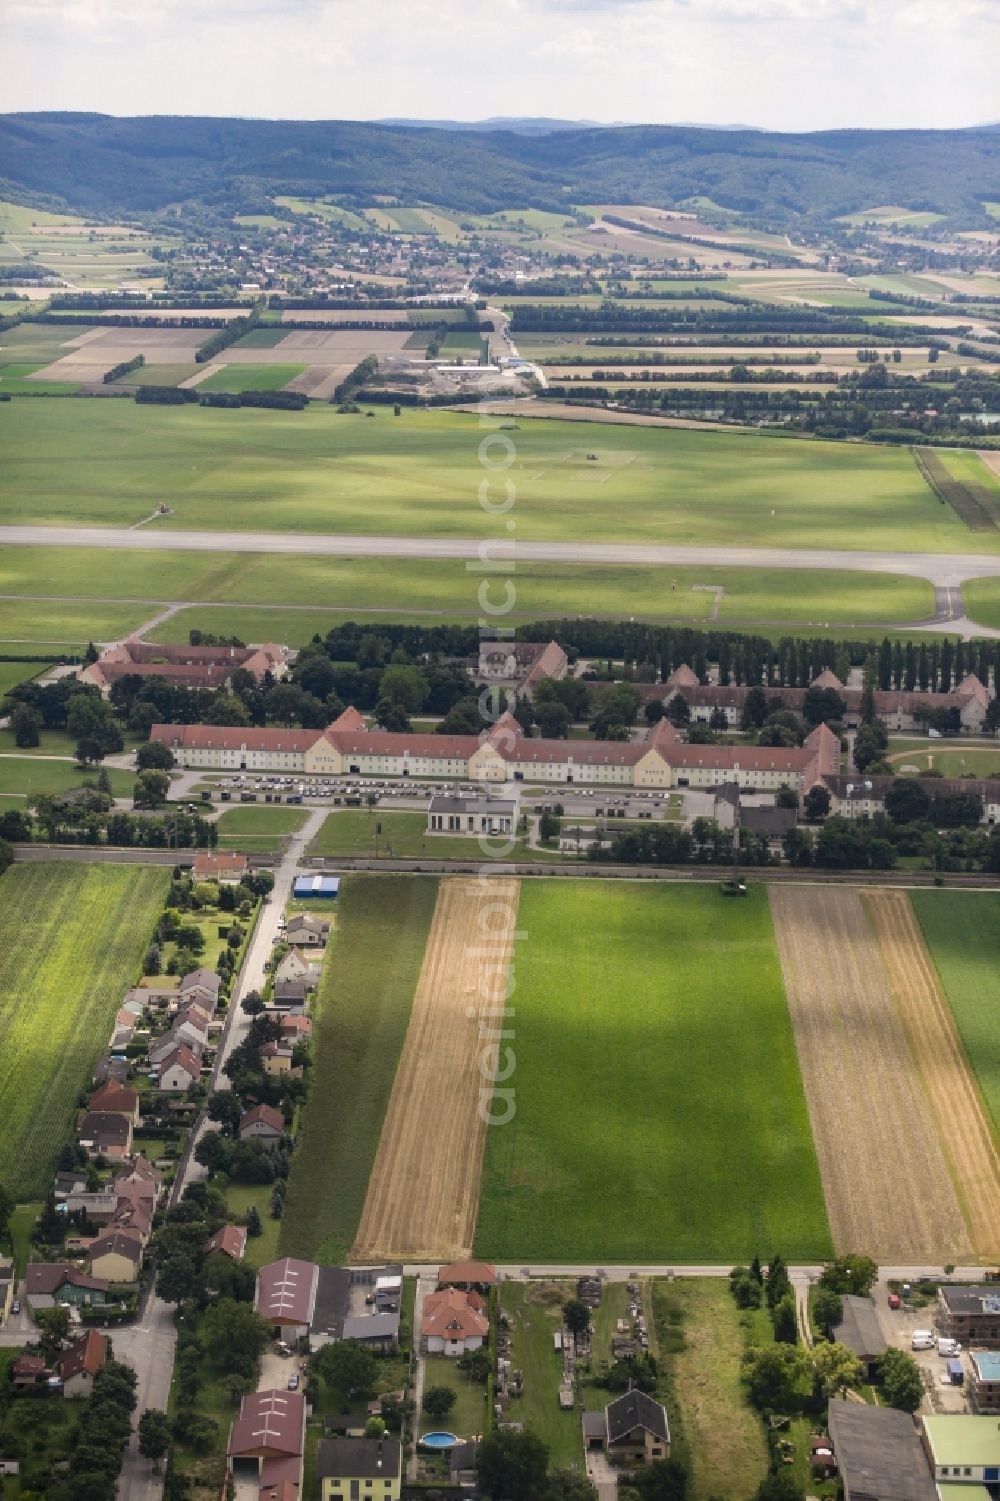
x,y
944,570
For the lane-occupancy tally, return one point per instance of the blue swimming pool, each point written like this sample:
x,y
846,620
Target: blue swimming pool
x,y
439,1440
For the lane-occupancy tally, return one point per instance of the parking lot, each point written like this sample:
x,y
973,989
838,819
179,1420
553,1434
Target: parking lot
x,y
898,1326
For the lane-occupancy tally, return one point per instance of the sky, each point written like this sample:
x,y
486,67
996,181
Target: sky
x,y
777,64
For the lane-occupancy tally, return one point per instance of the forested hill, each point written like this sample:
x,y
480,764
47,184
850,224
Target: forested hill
x,y
104,164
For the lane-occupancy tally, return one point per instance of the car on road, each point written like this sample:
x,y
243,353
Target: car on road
x,y
15,1307
293,1382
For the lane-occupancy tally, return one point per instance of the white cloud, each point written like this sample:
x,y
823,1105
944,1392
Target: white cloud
x,y
785,64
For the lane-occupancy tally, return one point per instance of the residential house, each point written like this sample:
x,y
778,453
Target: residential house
x,y
984,1380
295,965
878,1453
289,993
262,1123
70,1182
295,1029
100,1207
51,1282
116,1099
286,1296
962,1447
860,1331
277,1061
103,1133
115,1256
971,1315
179,1069
454,1322
230,1240
222,866
139,1179
203,986
632,1430
306,931
81,1362
111,1067
463,1464
349,1468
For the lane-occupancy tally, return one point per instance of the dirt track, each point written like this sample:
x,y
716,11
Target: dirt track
x,y
888,1190
423,1193
956,1102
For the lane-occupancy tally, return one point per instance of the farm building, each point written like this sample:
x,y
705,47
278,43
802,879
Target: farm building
x,y
878,1453
471,815
266,1440
632,1430
860,1331
286,1296
307,886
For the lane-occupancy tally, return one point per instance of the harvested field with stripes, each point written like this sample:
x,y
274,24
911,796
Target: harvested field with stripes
x,y
973,503
423,1193
888,1189
956,1102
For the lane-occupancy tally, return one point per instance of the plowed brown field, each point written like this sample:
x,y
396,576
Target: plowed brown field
x,y
888,1190
423,1193
957,1105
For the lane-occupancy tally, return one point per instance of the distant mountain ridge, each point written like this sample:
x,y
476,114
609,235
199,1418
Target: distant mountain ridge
x,y
100,163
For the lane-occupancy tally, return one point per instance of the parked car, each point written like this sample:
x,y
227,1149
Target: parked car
x,y
895,1301
922,1339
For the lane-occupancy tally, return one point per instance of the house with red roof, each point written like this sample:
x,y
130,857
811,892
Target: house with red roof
x,y
454,1322
231,1240
81,1362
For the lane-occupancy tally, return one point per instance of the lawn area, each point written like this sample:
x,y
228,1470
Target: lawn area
x,y
627,1144
13,673
251,378
359,1021
962,931
70,623
952,758
352,831
26,774
79,931
468,1415
263,1248
535,1312
317,470
256,829
724,1437
982,601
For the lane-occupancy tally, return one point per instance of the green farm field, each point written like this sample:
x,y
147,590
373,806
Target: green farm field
x,y
104,463
359,1021
626,1140
72,937
962,931
251,378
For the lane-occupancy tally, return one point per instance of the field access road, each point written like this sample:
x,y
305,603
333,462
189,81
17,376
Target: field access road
x,y
943,570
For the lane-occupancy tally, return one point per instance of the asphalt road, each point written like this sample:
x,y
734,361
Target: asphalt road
x,y
944,570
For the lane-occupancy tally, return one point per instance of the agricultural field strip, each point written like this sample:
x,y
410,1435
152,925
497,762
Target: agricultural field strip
x,y
962,1119
424,1188
887,1184
72,939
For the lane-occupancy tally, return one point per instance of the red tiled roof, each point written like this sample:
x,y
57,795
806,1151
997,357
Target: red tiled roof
x,y
233,737
482,1272
452,1314
184,1056
209,863
115,1098
231,1240
265,1115
86,1354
